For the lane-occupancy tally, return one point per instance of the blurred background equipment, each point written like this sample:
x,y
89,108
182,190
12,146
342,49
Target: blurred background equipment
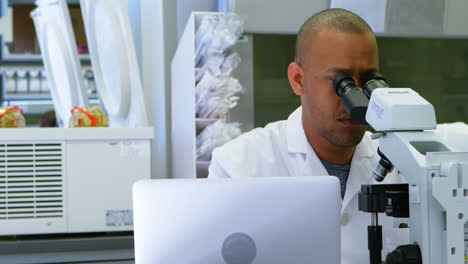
x,y
3,8
48,119
62,180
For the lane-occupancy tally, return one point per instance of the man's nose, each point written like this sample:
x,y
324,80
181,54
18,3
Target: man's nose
x,y
359,82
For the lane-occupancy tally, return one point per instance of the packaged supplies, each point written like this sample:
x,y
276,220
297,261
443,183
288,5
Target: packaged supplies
x,y
215,135
216,91
11,117
88,117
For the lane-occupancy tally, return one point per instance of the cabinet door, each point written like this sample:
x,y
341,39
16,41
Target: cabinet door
x,y
275,16
456,20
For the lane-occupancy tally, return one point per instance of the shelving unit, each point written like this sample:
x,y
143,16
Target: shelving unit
x,y
33,59
31,2
34,98
28,59
185,126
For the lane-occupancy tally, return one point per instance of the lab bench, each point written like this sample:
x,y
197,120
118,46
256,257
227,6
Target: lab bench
x,y
92,247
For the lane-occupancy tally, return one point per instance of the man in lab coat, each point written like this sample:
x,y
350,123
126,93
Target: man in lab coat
x,y
319,138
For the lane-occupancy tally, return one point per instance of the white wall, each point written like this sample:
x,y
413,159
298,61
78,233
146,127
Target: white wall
x,y
158,44
186,7
134,12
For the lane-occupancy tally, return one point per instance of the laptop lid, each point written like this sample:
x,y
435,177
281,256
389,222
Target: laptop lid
x,y
254,220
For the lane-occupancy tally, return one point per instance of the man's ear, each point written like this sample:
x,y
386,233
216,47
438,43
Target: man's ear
x,y
296,77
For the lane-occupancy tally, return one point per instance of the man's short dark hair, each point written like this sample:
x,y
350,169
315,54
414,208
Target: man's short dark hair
x,y
335,18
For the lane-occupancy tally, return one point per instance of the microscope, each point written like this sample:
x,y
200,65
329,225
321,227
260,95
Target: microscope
x,y
435,197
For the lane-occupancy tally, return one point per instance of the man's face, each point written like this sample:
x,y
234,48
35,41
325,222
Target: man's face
x,y
331,53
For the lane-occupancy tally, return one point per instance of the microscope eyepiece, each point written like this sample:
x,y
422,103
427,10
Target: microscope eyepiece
x,y
343,82
383,167
375,76
374,81
354,99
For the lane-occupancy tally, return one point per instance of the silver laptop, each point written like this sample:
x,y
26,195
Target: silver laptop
x,y
238,221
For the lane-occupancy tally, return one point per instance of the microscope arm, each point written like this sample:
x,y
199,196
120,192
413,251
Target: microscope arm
x,y
450,189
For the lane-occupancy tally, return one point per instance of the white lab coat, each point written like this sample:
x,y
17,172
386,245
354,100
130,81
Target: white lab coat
x,y
281,149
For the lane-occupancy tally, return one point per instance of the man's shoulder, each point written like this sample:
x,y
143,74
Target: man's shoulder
x,y
261,136
252,153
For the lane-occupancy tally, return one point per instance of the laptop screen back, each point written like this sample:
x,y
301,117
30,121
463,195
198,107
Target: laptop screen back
x,y
236,221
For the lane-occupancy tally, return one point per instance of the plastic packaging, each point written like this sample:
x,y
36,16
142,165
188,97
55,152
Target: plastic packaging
x,y
218,65
215,135
217,35
88,117
230,63
213,64
215,96
12,117
215,91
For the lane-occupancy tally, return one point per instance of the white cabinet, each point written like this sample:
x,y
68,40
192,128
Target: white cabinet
x,y
416,18
183,102
70,180
419,18
274,16
456,18
185,125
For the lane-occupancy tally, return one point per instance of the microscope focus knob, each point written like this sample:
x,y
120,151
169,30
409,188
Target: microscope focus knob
x,y
406,254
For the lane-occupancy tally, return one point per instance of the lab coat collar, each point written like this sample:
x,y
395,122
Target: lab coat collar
x,y
296,138
361,169
365,149
298,143
361,164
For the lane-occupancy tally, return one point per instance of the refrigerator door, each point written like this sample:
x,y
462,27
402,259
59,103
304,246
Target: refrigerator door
x,y
114,61
58,47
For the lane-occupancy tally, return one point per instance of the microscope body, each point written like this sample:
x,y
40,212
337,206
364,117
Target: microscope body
x,y
437,178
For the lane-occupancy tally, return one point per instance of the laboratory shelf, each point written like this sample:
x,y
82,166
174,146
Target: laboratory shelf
x,y
33,59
